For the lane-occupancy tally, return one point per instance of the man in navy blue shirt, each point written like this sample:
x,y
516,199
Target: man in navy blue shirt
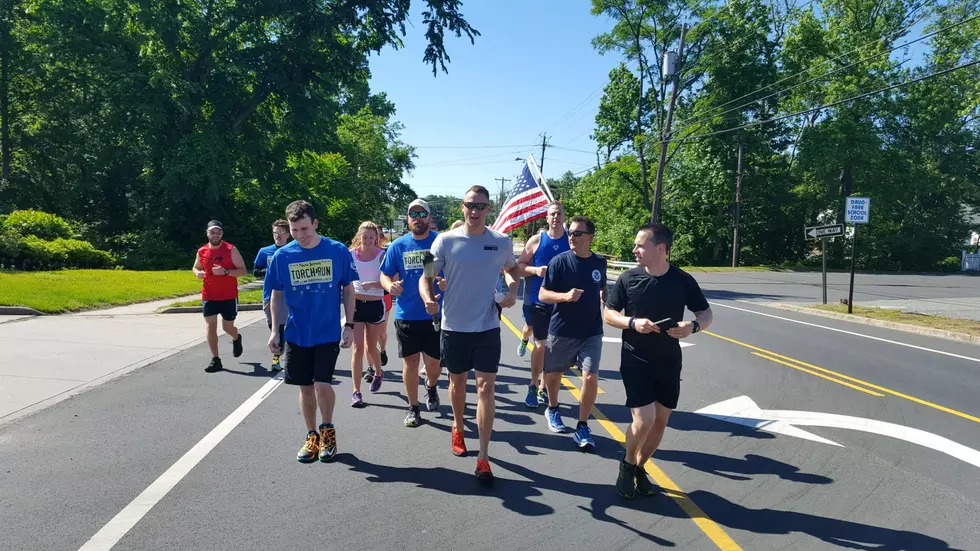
x,y
312,274
575,282
280,236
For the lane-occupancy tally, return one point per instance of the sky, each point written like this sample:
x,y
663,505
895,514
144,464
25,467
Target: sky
x,y
532,71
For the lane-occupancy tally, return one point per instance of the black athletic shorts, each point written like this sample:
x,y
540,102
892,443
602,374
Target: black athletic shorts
x,y
369,311
416,336
649,381
306,364
462,352
227,308
538,318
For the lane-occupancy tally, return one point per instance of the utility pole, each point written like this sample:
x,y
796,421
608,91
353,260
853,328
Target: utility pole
x,y
736,245
500,196
665,132
544,144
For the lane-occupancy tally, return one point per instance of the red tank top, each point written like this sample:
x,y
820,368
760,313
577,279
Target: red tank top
x,y
217,287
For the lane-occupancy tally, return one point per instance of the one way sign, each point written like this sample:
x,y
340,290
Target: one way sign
x,y
817,232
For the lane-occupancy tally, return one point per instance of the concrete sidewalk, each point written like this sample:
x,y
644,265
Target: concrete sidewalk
x,y
51,358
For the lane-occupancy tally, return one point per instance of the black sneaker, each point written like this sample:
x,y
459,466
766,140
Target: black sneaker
x,y
384,358
431,399
369,374
214,366
413,419
643,485
625,482
236,346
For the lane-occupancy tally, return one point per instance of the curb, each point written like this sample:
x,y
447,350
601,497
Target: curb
x,y
19,311
197,309
908,328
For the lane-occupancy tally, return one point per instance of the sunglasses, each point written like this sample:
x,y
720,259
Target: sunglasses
x,y
579,233
476,206
417,214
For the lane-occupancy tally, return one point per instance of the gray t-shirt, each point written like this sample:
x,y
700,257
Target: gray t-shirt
x,y
471,265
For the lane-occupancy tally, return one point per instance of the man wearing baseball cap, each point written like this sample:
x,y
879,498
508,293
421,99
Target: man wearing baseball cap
x,y
418,339
219,265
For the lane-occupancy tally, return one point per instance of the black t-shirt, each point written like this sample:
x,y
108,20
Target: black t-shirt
x,y
583,318
637,293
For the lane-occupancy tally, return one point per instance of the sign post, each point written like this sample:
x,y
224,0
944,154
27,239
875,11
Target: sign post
x,y
857,210
822,233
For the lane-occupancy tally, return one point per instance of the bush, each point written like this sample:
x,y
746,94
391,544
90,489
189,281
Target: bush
x,y
148,251
951,264
37,223
34,253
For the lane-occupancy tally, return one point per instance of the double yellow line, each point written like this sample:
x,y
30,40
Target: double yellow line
x,y
708,526
840,378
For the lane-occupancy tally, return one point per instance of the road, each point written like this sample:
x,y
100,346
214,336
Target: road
x,y
70,469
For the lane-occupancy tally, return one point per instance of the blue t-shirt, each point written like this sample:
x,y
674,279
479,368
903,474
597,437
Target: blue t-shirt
x,y
404,257
582,318
262,261
548,248
312,281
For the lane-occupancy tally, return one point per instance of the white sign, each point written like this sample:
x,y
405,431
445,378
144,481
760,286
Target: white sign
x,y
857,210
402,217
744,411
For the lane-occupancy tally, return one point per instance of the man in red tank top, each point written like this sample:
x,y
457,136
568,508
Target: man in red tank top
x,y
219,265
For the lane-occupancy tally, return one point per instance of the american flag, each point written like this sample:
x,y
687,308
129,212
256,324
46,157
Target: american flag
x,y
527,202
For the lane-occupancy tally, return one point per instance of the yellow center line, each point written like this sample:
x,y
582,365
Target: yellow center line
x,y
708,526
849,378
815,374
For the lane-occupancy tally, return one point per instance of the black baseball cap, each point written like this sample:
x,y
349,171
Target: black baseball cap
x,y
215,224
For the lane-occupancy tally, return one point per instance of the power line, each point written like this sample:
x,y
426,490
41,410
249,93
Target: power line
x,y
821,77
834,104
574,150
825,62
472,146
452,161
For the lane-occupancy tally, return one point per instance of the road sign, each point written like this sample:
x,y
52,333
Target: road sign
x,y
857,210
816,232
402,217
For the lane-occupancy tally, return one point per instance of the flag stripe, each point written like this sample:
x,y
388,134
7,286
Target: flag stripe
x,y
527,202
535,198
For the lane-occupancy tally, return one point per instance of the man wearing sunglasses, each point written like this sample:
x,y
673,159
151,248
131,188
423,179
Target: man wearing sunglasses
x,y
538,252
418,340
472,258
576,283
280,236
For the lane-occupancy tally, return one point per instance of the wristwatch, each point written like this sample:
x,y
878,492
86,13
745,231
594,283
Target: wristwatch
x,y
697,326
349,325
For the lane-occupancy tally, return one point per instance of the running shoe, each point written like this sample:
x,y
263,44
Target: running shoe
x,y
236,346
356,400
214,366
583,437
483,470
308,453
431,399
555,423
369,374
384,358
275,364
626,482
543,396
413,419
328,443
531,400
522,349
643,485
458,444
379,378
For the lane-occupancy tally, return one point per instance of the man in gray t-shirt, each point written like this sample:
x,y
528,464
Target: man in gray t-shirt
x,y
472,257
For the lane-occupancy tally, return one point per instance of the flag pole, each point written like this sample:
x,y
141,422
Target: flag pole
x,y
541,180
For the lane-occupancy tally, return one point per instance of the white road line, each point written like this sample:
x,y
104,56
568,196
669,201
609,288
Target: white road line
x,y
862,335
122,523
619,339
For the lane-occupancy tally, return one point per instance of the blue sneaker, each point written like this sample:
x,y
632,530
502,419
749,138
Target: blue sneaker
x,y
522,349
543,397
583,437
531,400
555,423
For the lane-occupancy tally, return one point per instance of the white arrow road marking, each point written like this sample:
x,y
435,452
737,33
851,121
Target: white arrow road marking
x,y
744,411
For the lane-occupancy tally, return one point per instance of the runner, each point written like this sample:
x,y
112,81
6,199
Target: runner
x,y
472,258
312,274
418,340
369,312
383,341
280,236
526,334
653,296
576,283
219,265
538,251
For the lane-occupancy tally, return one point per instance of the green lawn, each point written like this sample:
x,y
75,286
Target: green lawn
x,y
253,296
71,290
970,327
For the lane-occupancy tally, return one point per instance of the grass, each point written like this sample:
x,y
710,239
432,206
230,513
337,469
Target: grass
x,y
253,296
74,290
970,327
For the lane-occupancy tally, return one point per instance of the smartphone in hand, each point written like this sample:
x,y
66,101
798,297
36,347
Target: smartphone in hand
x,y
665,324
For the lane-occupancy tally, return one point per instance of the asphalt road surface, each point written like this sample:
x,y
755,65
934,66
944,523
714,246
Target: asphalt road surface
x,y
879,454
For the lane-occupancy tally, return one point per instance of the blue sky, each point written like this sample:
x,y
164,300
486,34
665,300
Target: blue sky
x,y
533,70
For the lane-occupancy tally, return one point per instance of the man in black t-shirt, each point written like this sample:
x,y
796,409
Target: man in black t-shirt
x,y
653,297
575,281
